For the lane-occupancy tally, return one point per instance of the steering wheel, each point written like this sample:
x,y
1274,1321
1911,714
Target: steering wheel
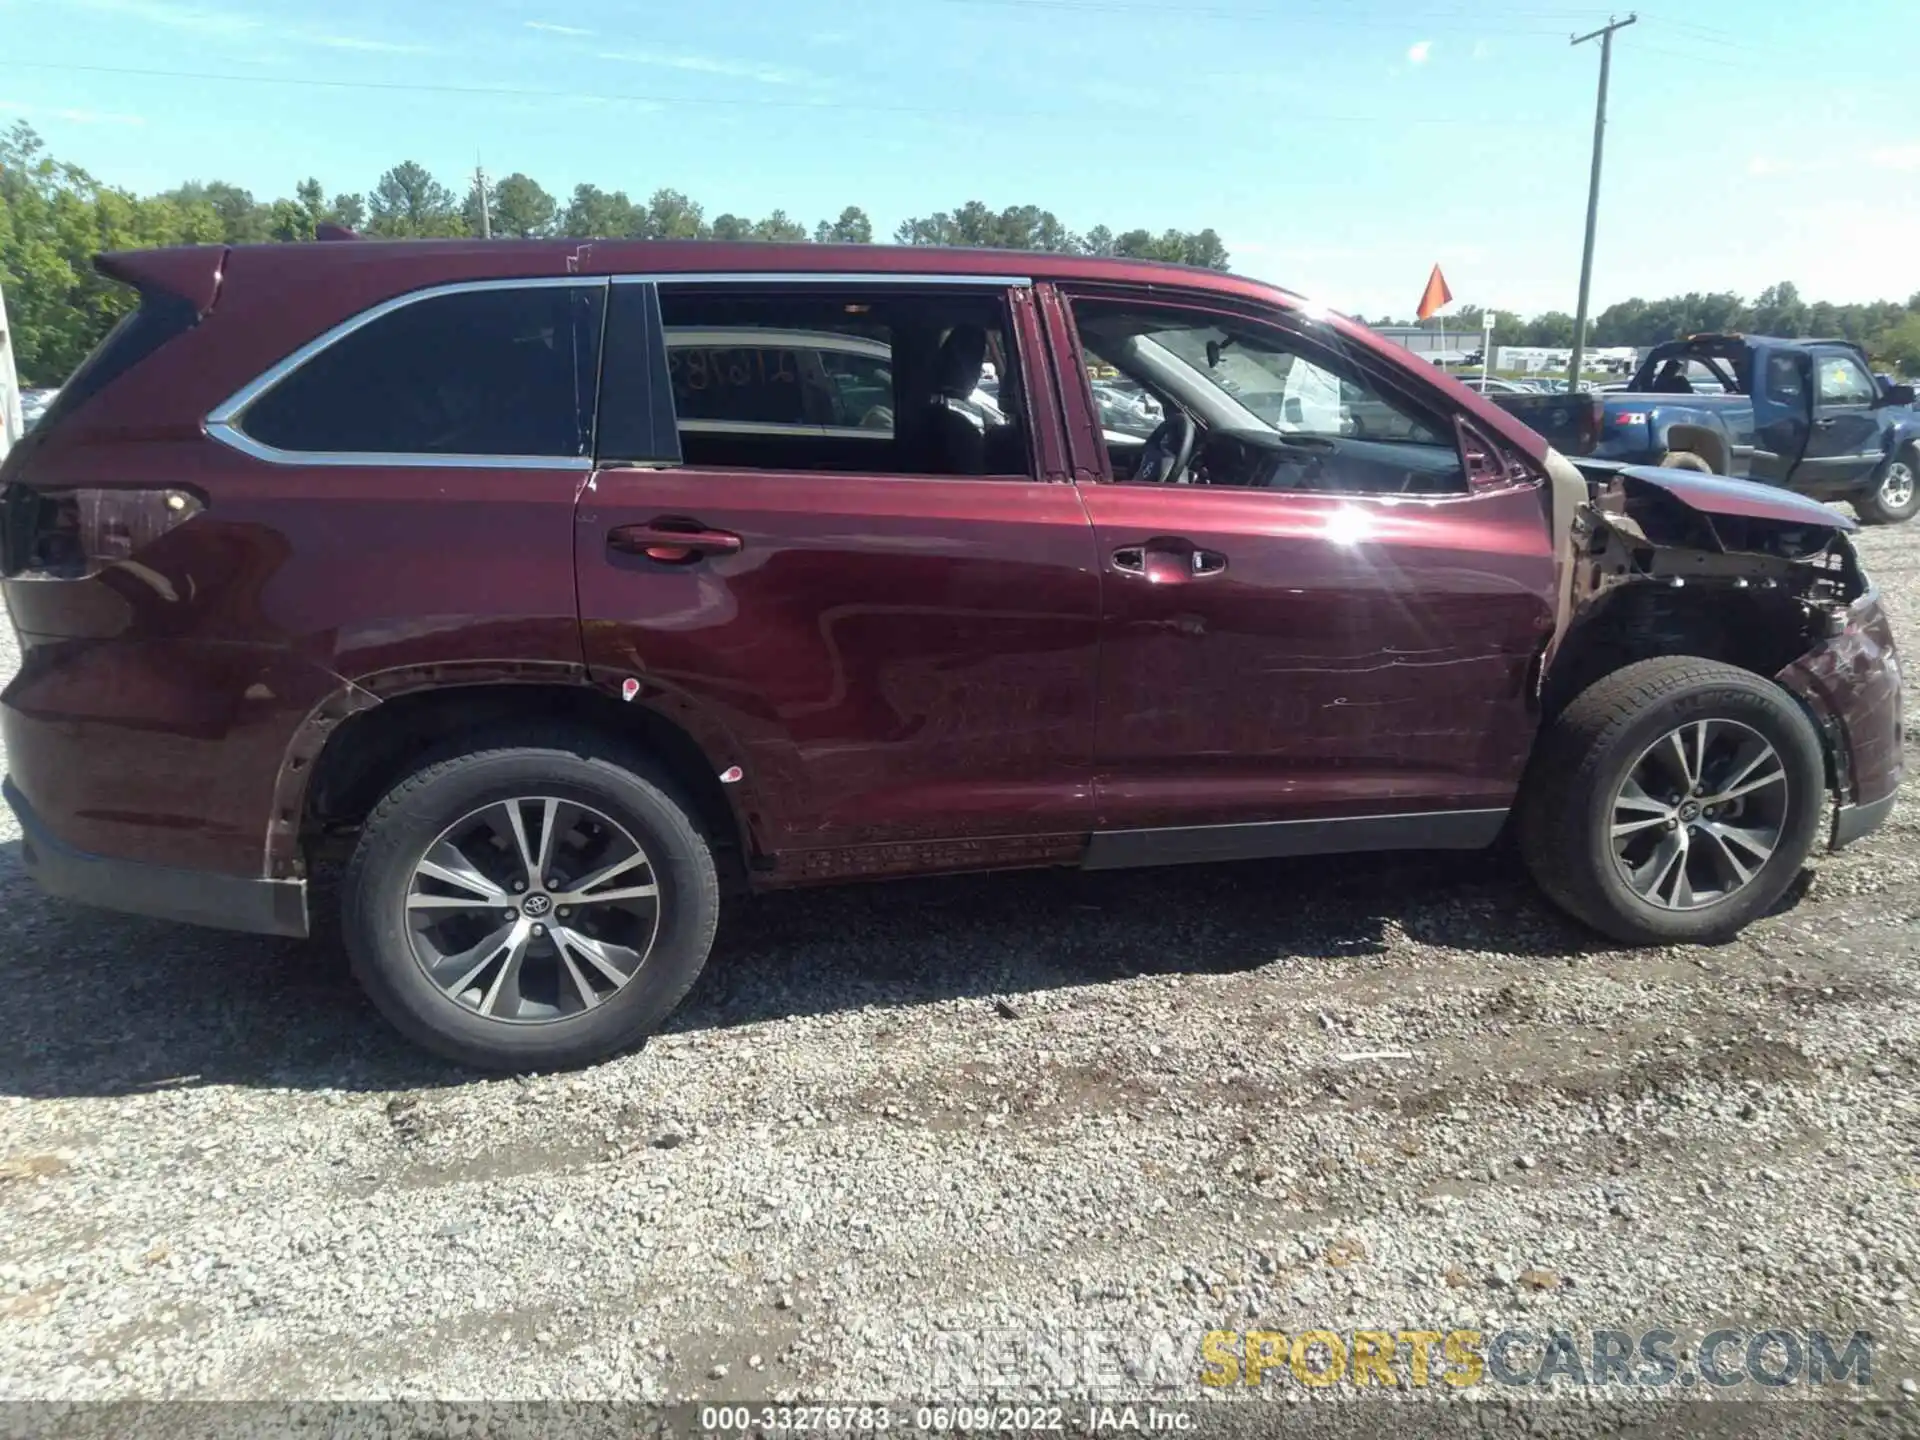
x,y
1165,458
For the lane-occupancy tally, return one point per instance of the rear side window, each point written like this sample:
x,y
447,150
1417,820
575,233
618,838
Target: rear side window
x,y
1784,382
838,377
499,372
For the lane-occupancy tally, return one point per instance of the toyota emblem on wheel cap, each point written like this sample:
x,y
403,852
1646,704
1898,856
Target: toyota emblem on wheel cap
x,y
537,905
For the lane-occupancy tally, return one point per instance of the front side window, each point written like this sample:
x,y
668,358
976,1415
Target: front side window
x,y
843,380
1843,381
495,372
1271,410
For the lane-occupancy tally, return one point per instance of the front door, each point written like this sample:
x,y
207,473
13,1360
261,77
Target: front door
x,y
1844,448
842,568
1315,618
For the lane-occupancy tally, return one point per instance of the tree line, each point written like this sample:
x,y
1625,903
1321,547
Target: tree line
x,y
1889,329
54,217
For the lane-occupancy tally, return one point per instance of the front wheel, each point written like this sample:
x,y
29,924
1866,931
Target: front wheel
x,y
1673,801
535,903
1896,496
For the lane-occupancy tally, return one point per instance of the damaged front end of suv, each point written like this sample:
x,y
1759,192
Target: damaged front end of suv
x,y
1670,562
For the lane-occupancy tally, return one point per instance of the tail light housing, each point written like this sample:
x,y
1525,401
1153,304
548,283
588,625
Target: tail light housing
x,y
73,534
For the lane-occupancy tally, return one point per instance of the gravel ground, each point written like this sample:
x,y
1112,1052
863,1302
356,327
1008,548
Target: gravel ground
x,y
1081,1110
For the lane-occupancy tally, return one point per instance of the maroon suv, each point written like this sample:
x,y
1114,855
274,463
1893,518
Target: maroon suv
x,y
559,585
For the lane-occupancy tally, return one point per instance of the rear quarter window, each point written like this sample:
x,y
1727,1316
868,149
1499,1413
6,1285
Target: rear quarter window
x,y
489,372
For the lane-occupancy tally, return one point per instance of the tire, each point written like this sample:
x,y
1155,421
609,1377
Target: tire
x,y
1895,495
559,1005
1685,460
1606,736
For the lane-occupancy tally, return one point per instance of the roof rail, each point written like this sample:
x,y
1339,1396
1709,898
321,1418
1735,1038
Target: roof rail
x,y
327,230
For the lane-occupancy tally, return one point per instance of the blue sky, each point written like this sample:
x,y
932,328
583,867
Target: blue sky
x,y
1340,146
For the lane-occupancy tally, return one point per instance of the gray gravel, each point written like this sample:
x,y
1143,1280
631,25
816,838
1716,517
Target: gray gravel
x,y
1069,1106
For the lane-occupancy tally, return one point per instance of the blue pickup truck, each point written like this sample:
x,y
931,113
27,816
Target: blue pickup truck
x,y
1808,415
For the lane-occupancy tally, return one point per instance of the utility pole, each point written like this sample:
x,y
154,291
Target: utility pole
x,y
486,216
1605,36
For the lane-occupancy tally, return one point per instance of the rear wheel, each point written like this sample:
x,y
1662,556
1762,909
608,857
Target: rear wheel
x,y
1896,496
1673,801
532,904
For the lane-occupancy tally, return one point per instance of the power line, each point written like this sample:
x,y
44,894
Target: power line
x,y
652,99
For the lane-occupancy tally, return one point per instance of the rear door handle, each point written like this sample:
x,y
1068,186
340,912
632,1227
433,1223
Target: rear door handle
x,y
672,542
1826,422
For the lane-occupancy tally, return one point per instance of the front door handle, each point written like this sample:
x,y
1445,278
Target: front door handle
x,y
1826,422
1168,562
672,542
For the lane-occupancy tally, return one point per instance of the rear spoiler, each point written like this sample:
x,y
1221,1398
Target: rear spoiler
x,y
187,272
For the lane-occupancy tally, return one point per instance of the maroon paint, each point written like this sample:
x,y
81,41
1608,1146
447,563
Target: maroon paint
x,y
905,668
889,659
1718,495
1852,681
1355,656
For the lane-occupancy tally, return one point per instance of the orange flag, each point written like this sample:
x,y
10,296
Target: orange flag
x,y
1435,295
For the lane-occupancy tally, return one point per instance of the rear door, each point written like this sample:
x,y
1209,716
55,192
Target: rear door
x,y
1334,628
897,656
1844,447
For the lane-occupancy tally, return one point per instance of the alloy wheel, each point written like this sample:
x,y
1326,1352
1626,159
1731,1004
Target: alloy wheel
x,y
1896,486
1699,814
533,910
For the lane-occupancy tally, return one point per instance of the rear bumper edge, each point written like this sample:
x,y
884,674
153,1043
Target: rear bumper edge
x,y
1854,822
193,897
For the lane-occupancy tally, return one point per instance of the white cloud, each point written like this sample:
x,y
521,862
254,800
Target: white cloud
x,y
192,18
709,65
355,42
1418,52
1896,157
553,29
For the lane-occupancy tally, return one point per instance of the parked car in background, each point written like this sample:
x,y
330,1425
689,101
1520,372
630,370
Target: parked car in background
x,y
556,591
1806,415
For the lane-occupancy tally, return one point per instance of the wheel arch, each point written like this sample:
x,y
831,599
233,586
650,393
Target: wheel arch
x,y
360,741
1762,631
1702,440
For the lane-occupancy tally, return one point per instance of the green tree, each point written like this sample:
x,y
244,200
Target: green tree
x,y
243,221
852,228
1898,346
1779,310
778,226
348,210
595,214
731,227
522,208
1553,330
669,215
408,203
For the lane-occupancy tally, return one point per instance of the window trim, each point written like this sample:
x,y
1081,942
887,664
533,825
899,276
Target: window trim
x,y
1002,288
225,421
